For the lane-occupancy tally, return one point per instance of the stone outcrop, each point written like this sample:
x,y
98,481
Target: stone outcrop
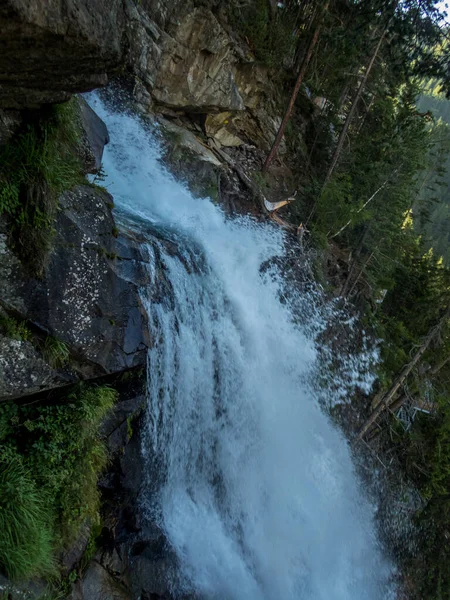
x,y
88,298
196,67
182,53
51,48
95,136
23,369
186,62
193,69
134,559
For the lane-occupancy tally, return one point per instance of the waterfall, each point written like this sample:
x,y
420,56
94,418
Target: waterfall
x,y
256,490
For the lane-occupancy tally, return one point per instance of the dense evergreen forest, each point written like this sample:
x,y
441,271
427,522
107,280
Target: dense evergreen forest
x,y
373,171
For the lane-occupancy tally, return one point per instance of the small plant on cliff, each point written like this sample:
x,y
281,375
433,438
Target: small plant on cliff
x,y
35,167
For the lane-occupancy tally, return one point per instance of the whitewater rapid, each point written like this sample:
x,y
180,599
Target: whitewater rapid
x,y
257,493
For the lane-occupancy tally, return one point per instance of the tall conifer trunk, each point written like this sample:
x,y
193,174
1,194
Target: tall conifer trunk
x,y
351,112
274,150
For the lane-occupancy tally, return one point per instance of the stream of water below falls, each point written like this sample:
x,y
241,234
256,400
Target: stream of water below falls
x,y
257,493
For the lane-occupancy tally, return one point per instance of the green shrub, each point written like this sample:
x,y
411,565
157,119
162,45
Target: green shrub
x,y
59,447
25,523
55,352
35,167
13,328
425,454
66,455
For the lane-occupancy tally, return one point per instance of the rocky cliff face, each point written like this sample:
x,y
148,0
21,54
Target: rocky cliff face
x,y
49,48
187,62
87,297
189,70
183,55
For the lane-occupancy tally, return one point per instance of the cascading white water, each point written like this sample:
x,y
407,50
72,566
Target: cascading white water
x,y
258,494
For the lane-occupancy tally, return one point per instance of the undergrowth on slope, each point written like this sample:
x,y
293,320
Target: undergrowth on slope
x,y
35,167
13,328
50,459
425,454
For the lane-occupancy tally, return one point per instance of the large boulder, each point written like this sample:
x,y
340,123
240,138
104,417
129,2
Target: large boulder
x,y
88,297
192,69
51,48
186,62
95,136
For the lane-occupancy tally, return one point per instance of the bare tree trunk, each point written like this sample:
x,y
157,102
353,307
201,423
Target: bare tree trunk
x,y
360,274
439,366
362,207
387,399
354,260
342,99
351,112
273,151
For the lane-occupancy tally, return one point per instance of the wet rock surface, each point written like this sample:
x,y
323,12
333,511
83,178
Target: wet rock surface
x,y
99,584
95,136
133,550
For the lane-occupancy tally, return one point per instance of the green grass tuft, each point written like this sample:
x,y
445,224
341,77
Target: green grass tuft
x,y
55,352
25,523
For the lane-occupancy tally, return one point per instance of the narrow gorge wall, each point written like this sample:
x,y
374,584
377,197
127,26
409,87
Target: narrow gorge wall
x,y
75,315
186,64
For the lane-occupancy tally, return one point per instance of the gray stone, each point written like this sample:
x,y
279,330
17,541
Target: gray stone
x,y
117,425
73,555
88,297
151,578
181,138
89,305
23,370
122,411
95,137
217,127
192,69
